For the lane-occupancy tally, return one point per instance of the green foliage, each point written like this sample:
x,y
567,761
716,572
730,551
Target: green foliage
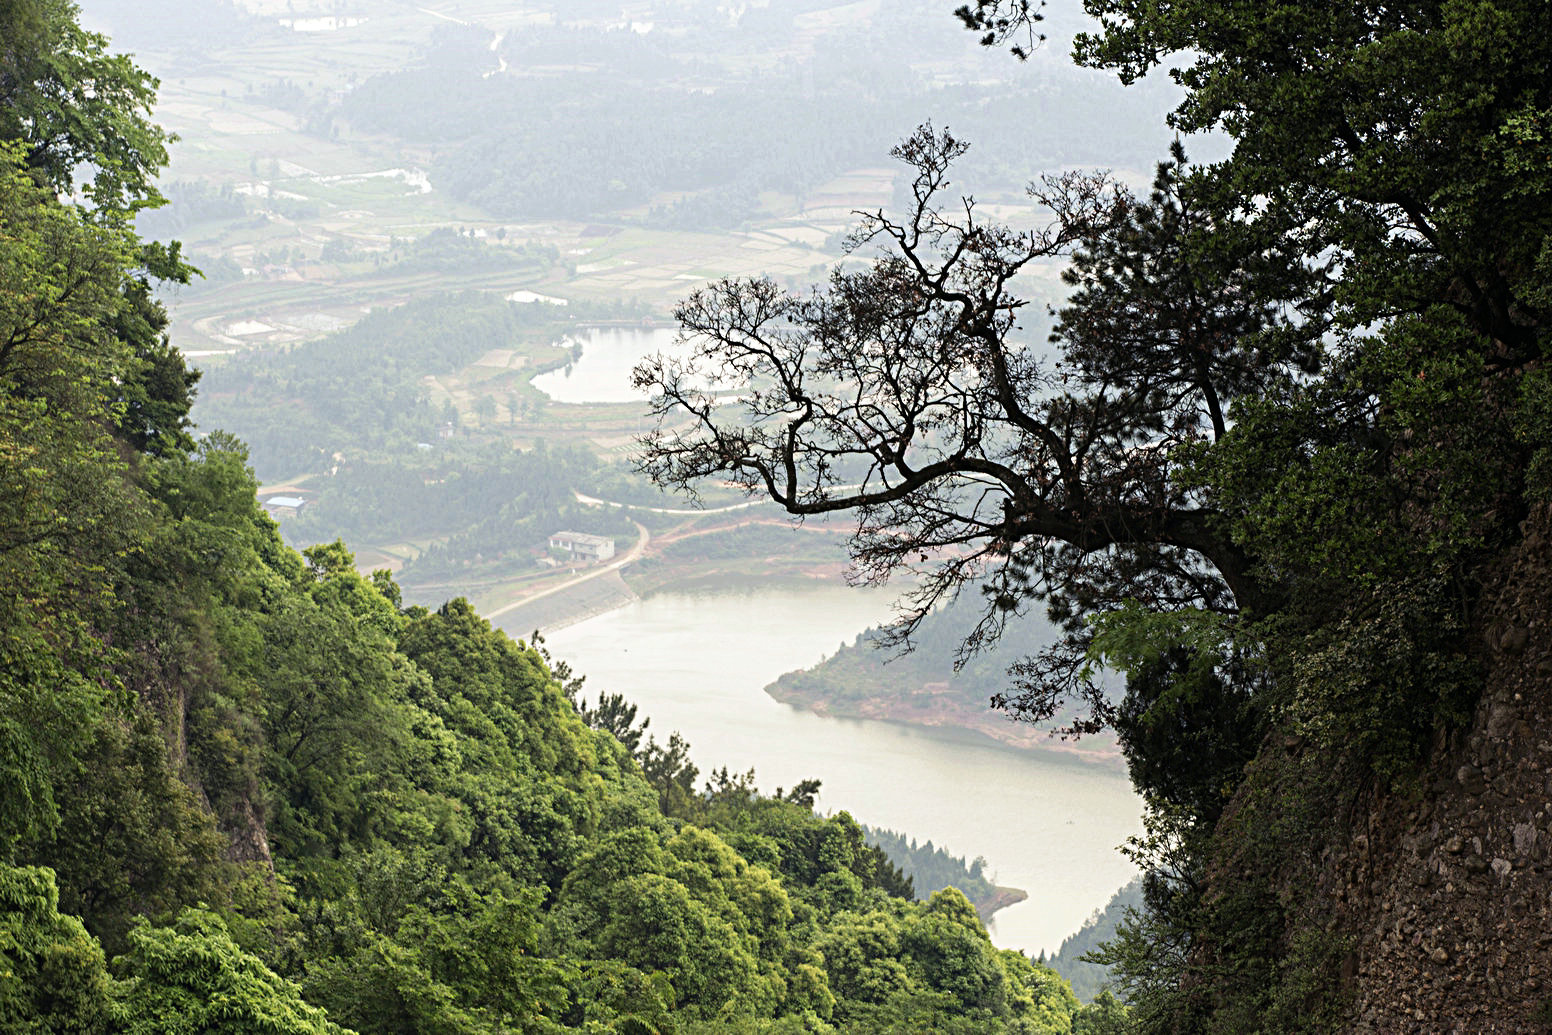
x,y
66,512
331,803
78,108
1106,1015
1152,943
85,380
1380,680
359,390
936,971
930,868
493,504
1533,428
158,390
446,250
53,978
1188,722
132,839
1374,494
1301,412
193,978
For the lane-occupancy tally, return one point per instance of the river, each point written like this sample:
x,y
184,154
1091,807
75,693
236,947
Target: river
x,y
698,662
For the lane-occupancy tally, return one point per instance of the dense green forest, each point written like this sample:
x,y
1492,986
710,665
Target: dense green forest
x,y
245,789
930,869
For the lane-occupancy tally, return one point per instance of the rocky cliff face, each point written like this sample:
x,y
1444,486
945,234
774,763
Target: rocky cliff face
x,y
1335,903
1450,891
1442,895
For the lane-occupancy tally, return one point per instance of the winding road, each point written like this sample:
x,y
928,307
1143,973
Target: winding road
x,y
594,501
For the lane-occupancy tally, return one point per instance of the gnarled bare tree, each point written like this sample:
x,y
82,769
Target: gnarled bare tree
x,y
907,393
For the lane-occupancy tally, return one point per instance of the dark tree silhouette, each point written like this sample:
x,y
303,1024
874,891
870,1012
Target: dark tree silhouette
x,y
905,393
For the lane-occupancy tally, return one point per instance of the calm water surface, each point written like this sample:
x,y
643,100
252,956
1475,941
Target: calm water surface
x,y
699,662
603,373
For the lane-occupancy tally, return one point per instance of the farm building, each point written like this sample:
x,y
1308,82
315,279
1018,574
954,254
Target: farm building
x,y
283,506
582,546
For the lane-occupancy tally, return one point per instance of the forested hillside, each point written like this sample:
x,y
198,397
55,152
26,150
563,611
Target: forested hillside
x,y
935,681
358,391
1073,959
716,112
930,869
1287,471
354,404
243,789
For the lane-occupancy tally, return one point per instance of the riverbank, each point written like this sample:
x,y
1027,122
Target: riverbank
x,y
697,663
932,707
732,548
1001,899
701,553
570,605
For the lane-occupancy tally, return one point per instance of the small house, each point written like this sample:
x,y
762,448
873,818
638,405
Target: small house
x,y
582,546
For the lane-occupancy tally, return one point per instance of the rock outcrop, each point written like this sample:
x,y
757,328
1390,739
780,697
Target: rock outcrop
x,y
1446,893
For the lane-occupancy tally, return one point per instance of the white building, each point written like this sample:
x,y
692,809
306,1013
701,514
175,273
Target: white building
x,y
582,546
283,506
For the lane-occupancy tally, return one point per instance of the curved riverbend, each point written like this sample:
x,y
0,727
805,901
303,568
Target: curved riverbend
x,y
699,662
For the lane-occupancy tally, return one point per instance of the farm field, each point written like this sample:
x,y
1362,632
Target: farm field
x,y
322,215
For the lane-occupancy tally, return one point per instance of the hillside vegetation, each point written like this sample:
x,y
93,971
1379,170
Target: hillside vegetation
x,y
245,789
930,869
1288,470
936,682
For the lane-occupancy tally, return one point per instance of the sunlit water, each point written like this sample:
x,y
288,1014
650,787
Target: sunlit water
x,y
699,662
602,374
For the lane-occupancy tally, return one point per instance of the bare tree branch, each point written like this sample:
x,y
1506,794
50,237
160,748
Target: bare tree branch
x,y
902,393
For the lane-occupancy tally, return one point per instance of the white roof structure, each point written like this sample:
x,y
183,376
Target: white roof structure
x,y
583,538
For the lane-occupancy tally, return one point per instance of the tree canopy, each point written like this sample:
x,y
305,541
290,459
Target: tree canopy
x,y
1230,421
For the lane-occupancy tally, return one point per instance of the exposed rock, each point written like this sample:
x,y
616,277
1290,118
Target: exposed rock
x,y
1483,962
1471,780
249,838
1525,835
1500,720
